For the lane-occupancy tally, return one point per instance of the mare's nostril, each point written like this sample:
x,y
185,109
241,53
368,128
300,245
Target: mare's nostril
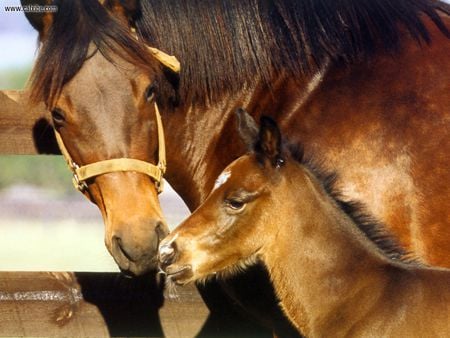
x,y
117,243
161,233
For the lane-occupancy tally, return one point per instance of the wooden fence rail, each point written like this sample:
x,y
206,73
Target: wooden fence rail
x,y
24,129
68,304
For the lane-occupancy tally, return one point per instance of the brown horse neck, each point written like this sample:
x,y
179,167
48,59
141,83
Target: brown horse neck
x,y
204,145
195,155
345,272
205,142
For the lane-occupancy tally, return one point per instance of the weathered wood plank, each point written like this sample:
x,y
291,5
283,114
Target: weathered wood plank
x,y
67,304
24,129
185,315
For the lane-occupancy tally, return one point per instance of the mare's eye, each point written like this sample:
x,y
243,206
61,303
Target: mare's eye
x,y
235,205
150,91
58,116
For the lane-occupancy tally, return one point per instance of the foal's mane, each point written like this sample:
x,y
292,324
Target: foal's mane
x,y
224,44
373,229
65,47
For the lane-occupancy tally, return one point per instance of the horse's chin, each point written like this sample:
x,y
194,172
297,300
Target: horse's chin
x,y
233,269
133,269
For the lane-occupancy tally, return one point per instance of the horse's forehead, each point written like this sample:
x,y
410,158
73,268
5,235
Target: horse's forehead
x,y
242,172
99,77
222,179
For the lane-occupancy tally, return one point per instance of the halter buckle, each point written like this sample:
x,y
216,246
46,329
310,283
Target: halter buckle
x,y
160,183
77,183
160,186
162,168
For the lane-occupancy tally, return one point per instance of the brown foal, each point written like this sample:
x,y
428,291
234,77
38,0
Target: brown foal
x,y
331,280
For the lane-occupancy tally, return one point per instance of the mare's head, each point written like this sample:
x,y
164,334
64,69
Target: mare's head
x,y
241,216
100,85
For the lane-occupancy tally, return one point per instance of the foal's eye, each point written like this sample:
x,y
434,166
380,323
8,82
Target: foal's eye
x,y
58,116
150,91
235,205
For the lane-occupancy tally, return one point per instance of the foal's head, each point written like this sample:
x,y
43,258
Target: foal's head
x,y
101,84
242,215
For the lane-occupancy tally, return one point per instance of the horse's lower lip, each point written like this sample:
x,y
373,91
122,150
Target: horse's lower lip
x,y
127,273
132,269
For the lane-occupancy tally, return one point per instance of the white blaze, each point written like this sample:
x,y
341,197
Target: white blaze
x,y
222,179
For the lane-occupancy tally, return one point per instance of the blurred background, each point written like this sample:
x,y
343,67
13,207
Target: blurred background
x,y
45,225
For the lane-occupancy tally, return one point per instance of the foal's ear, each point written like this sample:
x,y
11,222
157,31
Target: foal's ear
x,y
269,146
248,130
41,21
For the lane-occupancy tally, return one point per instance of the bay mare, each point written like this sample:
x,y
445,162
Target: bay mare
x,y
363,84
98,83
332,281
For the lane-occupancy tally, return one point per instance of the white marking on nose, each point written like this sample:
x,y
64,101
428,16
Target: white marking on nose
x,y
166,250
222,179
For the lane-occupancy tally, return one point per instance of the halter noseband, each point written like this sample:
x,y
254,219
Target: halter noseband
x,y
85,172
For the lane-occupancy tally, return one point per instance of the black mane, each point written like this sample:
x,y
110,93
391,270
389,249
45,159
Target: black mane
x,y
224,44
373,229
76,26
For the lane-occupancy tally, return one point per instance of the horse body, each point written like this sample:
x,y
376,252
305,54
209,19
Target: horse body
x,y
382,128
388,118
346,290
330,278
382,125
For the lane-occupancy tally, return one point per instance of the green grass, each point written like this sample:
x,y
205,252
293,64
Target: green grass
x,y
14,78
41,170
66,245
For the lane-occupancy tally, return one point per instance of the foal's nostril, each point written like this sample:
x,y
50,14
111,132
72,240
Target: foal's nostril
x,y
166,254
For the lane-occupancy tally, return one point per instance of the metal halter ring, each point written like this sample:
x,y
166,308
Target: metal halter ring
x,y
77,183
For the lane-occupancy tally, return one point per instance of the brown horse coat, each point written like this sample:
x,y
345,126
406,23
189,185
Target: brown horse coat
x,y
330,278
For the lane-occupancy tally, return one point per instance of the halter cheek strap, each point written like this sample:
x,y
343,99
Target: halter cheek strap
x,y
85,172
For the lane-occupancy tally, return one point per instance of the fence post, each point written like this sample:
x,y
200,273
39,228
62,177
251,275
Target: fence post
x,y
24,130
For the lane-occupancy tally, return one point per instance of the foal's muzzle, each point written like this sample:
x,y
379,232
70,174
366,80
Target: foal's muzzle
x,y
167,253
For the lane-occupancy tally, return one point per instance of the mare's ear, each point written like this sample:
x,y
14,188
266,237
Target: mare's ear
x,y
269,146
125,10
248,130
41,21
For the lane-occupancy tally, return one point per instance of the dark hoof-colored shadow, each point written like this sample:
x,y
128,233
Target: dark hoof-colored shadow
x,y
129,306
245,306
44,137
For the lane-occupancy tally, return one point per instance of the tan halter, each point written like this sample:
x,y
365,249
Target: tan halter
x,y
85,172
156,172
